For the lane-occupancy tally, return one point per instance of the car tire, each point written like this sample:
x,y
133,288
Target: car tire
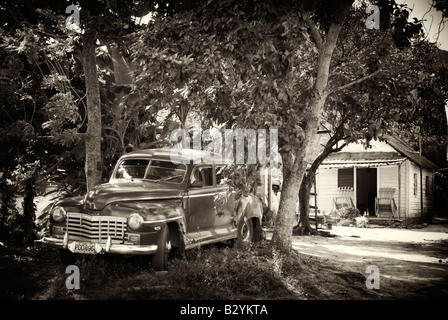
x,y
246,230
159,260
68,257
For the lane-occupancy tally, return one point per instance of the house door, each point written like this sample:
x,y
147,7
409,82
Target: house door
x,y
366,189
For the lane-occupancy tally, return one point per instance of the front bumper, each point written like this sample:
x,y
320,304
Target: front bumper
x,y
108,247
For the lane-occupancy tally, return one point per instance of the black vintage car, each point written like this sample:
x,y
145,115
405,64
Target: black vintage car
x,y
151,204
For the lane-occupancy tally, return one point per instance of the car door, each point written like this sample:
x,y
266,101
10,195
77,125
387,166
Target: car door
x,y
224,201
201,193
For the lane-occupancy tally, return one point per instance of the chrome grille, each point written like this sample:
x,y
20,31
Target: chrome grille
x,y
95,228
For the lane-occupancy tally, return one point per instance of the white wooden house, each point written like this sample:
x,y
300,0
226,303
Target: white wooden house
x,y
389,179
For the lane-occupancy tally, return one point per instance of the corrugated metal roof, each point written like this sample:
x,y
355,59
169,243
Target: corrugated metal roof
x,y
404,149
372,164
361,156
377,159
362,159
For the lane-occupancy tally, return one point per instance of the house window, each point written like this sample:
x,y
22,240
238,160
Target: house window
x,y
415,184
427,186
345,178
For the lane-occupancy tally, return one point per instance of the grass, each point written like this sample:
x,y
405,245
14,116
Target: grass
x,y
214,273
242,272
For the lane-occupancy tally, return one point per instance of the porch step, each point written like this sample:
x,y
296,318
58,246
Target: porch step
x,y
385,214
384,221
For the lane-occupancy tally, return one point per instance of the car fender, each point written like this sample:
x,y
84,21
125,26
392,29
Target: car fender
x,y
248,206
166,212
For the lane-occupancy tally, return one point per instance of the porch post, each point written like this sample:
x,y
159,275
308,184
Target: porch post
x,y
377,186
354,187
421,173
378,182
269,190
399,189
408,188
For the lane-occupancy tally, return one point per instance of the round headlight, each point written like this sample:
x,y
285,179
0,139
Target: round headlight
x,y
135,221
58,214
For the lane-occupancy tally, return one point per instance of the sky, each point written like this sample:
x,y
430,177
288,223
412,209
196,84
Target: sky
x,y
420,7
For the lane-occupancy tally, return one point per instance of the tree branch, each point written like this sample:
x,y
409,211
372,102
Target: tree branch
x,y
345,86
314,32
329,147
338,148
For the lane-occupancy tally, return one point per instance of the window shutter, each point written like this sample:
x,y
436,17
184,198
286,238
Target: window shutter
x,y
345,178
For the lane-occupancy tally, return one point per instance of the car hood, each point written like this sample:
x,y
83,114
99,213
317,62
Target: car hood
x,y
107,193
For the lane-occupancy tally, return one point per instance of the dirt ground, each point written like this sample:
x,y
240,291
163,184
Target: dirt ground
x,y
412,263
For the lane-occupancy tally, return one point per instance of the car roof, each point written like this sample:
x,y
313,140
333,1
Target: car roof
x,y
178,155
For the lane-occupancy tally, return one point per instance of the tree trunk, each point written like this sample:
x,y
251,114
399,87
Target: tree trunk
x,y
282,237
304,226
296,168
93,165
7,201
29,210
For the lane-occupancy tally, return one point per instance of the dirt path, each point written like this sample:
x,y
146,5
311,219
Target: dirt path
x,y
412,263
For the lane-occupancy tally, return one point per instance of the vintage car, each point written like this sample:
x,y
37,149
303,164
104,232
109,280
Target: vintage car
x,y
151,205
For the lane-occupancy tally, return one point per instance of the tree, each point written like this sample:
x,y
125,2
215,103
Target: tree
x,y
22,154
260,65
93,162
366,109
43,109
104,23
425,120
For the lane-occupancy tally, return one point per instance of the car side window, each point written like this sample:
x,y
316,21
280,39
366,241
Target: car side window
x,y
202,174
207,176
219,174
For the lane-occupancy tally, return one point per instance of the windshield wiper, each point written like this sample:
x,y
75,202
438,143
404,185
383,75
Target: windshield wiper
x,y
169,178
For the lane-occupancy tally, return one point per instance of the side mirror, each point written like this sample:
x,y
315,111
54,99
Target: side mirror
x,y
196,184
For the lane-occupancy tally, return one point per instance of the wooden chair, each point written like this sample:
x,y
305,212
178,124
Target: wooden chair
x,y
344,198
385,206
343,202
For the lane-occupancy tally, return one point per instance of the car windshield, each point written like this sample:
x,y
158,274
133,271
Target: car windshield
x,y
158,170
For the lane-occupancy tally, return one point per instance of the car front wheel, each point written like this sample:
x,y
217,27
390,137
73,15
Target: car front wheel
x,y
160,258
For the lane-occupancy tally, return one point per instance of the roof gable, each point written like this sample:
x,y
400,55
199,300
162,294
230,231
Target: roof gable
x,y
388,152
405,149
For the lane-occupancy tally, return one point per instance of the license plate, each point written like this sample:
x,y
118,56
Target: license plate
x,y
84,247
